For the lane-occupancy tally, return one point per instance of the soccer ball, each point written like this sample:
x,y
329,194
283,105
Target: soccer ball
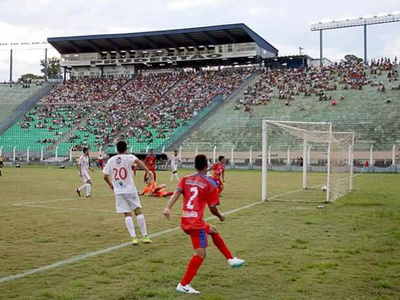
x,y
324,188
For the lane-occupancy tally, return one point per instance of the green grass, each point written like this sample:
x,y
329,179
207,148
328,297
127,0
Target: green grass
x,y
349,250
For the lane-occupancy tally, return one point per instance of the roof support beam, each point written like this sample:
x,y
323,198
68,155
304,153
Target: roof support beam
x,y
170,41
210,38
192,41
113,45
75,46
131,44
94,46
231,36
151,43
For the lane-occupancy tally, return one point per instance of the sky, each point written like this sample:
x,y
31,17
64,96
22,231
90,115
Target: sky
x,y
283,23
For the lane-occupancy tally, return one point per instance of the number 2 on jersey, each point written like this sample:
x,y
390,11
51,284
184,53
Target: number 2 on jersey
x,y
194,191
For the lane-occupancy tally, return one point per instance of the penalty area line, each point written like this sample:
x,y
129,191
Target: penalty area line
x,y
88,255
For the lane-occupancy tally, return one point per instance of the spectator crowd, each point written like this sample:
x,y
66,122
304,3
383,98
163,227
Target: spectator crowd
x,y
285,84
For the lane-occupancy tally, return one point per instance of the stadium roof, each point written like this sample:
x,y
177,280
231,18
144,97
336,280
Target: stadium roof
x,y
199,36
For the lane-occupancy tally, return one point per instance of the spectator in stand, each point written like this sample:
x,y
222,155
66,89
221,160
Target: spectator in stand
x,y
84,90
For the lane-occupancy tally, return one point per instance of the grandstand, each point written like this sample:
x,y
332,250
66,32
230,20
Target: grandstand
x,y
13,96
198,89
148,88
284,95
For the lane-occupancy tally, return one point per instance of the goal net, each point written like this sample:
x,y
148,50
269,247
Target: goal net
x,y
305,161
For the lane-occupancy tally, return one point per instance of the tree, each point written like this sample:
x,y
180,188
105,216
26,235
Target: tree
x,y
53,67
353,58
29,77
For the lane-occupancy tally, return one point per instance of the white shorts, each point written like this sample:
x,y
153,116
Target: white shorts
x,y
174,167
127,202
85,177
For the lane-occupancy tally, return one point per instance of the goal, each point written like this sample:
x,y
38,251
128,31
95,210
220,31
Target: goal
x,y
305,161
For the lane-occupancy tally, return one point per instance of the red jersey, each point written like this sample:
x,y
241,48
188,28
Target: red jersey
x,y
218,169
150,162
198,192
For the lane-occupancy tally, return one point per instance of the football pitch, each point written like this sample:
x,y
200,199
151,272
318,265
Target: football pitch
x,y
78,248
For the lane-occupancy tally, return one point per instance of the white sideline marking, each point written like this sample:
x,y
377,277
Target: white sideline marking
x,y
76,209
56,200
81,257
65,208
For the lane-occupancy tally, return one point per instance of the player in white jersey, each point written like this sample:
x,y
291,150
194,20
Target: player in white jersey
x,y
119,168
83,168
175,159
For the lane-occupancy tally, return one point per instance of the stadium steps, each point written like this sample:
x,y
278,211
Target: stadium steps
x,y
72,131
123,132
239,92
364,112
27,104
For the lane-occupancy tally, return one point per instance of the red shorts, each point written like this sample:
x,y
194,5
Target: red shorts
x,y
199,236
218,182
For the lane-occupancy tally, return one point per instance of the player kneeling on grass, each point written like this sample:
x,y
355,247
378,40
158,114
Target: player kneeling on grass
x,y
119,167
198,191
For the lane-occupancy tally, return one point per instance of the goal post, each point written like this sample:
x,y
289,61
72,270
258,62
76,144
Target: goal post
x,y
317,162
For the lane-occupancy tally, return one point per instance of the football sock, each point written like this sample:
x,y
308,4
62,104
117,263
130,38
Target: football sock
x,y
172,176
142,224
177,176
82,187
193,265
220,244
88,189
130,226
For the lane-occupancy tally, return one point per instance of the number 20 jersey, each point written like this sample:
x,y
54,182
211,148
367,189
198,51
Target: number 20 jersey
x,y
119,168
198,192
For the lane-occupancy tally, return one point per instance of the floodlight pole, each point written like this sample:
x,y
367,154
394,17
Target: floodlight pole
x,y
355,22
320,48
11,66
365,43
45,66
